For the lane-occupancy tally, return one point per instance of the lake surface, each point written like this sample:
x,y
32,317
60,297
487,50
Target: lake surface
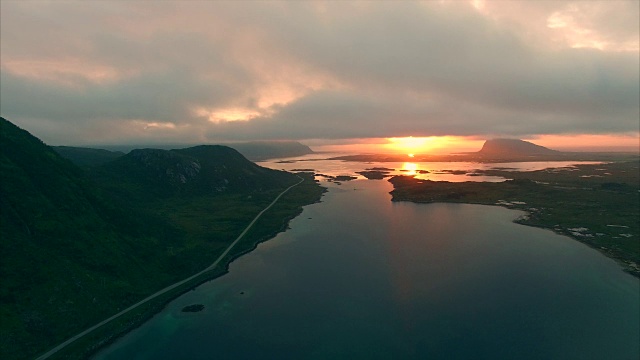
x,y
360,277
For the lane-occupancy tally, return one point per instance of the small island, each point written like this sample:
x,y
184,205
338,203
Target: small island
x,y
193,308
374,174
337,178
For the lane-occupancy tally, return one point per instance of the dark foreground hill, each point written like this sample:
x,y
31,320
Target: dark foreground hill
x,y
64,249
77,245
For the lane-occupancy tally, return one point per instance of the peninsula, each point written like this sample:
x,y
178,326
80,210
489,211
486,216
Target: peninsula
x,y
597,204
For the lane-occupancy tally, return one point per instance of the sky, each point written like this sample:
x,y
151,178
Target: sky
x,y
324,73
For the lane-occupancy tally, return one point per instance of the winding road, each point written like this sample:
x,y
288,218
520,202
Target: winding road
x,y
171,287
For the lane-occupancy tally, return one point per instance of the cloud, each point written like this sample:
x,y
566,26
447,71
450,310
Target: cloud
x,y
185,71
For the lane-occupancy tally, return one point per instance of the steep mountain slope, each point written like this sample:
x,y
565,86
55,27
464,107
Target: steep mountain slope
x,y
68,256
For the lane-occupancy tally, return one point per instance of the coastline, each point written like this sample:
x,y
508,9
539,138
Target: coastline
x,y
626,266
243,305
87,345
598,211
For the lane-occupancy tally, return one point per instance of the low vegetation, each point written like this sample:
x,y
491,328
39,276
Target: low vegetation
x,y
598,205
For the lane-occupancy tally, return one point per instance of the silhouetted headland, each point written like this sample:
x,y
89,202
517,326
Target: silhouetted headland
x,y
496,151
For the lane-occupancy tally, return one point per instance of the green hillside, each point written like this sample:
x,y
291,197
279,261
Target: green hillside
x,y
77,245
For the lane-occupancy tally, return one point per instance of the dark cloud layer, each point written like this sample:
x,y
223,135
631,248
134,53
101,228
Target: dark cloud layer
x,y
76,72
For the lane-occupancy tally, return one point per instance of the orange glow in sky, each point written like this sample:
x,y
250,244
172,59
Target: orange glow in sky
x,y
226,115
430,145
589,142
410,145
439,145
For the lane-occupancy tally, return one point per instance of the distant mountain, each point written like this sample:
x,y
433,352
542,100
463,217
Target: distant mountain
x,y
513,148
199,170
262,150
84,156
252,150
227,165
495,151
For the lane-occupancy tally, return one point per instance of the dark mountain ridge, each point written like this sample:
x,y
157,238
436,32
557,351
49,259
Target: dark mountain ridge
x,y
199,170
252,150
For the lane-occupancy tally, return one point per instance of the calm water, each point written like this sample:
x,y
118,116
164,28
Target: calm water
x,y
360,277
436,171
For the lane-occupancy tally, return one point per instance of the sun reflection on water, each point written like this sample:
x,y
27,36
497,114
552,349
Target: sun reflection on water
x,y
410,168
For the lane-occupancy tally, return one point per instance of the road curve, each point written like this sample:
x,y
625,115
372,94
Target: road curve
x,y
170,287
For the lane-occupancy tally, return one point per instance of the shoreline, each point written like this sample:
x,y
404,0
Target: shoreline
x,y
581,204
631,268
89,344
